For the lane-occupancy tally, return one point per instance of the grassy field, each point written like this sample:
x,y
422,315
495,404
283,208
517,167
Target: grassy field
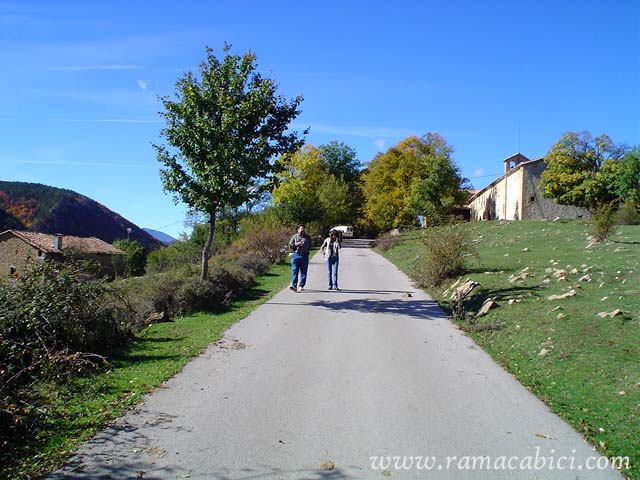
x,y
586,368
80,409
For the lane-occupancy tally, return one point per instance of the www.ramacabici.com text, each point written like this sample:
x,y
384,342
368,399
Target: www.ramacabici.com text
x,y
536,461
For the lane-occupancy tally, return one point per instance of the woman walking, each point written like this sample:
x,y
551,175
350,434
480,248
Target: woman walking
x,y
331,248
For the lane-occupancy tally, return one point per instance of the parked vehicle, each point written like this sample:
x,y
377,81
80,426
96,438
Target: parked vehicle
x,y
345,230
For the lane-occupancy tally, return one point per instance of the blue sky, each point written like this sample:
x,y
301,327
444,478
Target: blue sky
x,y
79,81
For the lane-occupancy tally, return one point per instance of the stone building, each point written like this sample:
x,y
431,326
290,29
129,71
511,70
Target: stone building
x,y
516,195
20,249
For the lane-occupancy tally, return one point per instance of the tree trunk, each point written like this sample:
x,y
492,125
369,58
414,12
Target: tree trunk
x,y
207,247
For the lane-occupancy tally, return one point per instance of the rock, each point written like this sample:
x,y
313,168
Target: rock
x,y
560,316
487,305
158,317
526,249
464,290
521,276
570,293
543,352
559,273
586,278
611,314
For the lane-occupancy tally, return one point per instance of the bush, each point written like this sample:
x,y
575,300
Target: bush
x,y
263,241
602,222
627,214
53,321
387,241
447,251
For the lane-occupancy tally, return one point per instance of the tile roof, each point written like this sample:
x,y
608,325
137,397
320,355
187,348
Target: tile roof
x,y
46,243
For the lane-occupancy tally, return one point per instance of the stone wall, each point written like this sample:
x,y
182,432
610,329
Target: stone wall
x,y
15,255
535,206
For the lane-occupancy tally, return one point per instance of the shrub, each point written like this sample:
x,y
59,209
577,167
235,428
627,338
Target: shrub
x,y
52,322
387,241
263,241
446,254
627,214
602,222
135,258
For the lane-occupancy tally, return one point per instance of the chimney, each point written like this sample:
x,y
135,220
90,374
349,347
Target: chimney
x,y
57,242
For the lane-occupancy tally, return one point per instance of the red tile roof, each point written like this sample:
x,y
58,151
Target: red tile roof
x,y
46,243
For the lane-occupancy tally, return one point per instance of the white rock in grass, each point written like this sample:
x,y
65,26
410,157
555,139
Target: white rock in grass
x,y
570,293
586,278
611,314
543,352
487,305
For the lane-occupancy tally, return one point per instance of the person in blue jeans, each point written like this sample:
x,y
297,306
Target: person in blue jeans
x,y
299,245
331,250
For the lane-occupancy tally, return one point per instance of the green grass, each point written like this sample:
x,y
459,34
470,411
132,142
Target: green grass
x,y
590,360
80,409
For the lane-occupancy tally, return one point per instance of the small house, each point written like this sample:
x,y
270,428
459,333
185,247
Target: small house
x,y
20,249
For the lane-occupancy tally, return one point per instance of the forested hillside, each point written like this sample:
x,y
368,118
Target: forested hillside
x,y
41,208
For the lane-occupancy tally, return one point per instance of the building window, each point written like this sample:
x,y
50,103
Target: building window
x,y
12,270
39,253
532,199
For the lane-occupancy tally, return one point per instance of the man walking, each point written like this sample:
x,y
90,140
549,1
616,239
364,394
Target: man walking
x,y
299,244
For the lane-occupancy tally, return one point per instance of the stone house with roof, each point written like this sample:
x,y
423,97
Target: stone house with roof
x,y
516,195
20,249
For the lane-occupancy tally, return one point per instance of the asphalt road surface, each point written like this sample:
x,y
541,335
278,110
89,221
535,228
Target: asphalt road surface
x,y
369,382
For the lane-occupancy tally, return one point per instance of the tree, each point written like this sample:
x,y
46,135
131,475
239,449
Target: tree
x,y
135,258
340,161
628,180
416,177
582,171
296,193
311,190
222,132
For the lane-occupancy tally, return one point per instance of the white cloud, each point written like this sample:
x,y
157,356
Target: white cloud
x,y
142,84
478,172
80,68
106,120
63,163
360,131
380,144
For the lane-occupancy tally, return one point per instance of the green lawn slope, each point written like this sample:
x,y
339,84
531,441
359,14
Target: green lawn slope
x,y
585,367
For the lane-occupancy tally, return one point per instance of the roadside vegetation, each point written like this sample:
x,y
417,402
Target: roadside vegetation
x,y
567,320
48,416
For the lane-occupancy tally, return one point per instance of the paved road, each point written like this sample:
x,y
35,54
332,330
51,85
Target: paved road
x,y
313,385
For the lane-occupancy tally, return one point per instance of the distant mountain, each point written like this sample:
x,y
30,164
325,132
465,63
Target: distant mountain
x,y
163,237
40,208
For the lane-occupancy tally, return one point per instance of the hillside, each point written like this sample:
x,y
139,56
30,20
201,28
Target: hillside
x,y
163,237
40,208
568,321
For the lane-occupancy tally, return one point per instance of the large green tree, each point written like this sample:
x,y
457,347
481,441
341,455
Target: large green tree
x,y
312,185
222,131
340,160
416,177
583,171
628,181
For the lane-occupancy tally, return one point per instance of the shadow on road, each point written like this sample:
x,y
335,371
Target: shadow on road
x,y
411,308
